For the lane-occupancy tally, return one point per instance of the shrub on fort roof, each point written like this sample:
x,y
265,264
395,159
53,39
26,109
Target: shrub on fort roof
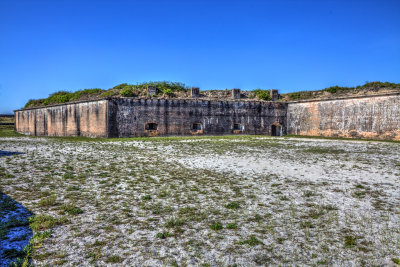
x,y
166,87
300,95
127,91
379,85
57,97
63,97
262,94
34,103
168,92
120,86
109,93
367,85
336,89
84,93
163,87
332,89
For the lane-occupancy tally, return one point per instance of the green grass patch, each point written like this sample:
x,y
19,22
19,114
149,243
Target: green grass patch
x,y
174,222
350,241
42,222
396,261
48,201
38,238
216,226
163,235
114,259
233,205
231,226
72,209
8,131
252,241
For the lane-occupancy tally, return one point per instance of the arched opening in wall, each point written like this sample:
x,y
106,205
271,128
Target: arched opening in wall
x,y
196,127
276,130
151,126
237,127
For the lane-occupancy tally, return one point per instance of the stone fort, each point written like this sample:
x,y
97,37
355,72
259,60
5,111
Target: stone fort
x,y
367,116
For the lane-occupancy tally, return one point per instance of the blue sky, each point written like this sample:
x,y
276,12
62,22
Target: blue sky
x,y
291,45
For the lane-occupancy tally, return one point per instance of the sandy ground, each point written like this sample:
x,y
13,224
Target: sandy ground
x,y
235,201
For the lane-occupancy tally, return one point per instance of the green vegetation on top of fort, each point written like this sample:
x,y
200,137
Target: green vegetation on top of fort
x,y
180,90
341,91
262,94
164,88
63,97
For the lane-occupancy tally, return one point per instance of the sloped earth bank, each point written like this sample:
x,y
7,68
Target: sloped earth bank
x,y
218,201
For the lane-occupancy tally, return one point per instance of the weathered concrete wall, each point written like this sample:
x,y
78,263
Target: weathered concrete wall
x,y
74,119
128,117
375,117
363,117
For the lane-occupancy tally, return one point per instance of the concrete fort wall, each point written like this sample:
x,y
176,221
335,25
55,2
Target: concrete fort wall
x,y
376,117
163,117
73,119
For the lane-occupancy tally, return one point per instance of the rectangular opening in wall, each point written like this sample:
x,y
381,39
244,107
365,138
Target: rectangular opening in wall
x,y
196,126
276,130
151,126
237,127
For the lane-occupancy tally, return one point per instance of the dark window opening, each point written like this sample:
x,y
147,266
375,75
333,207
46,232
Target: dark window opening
x,y
275,130
196,126
237,127
151,126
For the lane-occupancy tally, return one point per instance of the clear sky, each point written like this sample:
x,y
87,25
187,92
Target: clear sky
x,y
291,45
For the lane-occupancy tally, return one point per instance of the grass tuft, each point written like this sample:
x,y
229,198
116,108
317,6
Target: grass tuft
x,y
252,241
233,205
42,222
216,226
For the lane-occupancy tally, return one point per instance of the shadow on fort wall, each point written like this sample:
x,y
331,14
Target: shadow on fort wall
x,y
15,232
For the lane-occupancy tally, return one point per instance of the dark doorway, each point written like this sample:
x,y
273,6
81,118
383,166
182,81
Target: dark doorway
x,y
237,127
275,130
196,126
151,126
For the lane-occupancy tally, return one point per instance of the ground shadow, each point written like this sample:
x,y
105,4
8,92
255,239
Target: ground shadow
x,y
9,153
15,232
